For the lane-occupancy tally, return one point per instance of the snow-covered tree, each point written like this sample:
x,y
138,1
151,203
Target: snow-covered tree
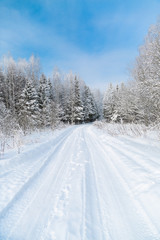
x,y
78,107
109,111
146,73
27,108
57,85
89,105
33,70
43,101
98,96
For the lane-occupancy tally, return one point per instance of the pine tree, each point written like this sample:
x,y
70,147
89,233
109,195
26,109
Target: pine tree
x,y
27,108
72,97
90,109
54,110
108,104
98,97
43,101
67,104
127,106
94,111
78,107
57,85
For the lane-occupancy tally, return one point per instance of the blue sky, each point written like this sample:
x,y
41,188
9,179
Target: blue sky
x,y
97,39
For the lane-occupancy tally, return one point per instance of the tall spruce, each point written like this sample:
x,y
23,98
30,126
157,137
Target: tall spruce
x,y
89,106
78,107
27,108
43,101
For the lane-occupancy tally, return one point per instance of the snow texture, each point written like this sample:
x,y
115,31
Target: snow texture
x,y
81,184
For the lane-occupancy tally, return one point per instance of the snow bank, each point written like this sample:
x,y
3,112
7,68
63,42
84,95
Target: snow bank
x,y
132,130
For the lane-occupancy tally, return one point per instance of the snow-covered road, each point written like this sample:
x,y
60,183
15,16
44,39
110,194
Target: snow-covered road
x,y
82,185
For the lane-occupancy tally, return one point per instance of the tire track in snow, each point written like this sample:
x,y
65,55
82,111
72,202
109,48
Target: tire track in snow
x,y
147,230
146,164
14,204
149,162
57,184
137,162
18,160
27,165
97,232
44,163
150,176
99,205
83,220
133,159
49,229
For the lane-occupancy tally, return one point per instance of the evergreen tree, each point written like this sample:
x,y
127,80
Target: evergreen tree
x,y
109,104
98,97
27,108
94,111
78,107
54,109
90,109
57,85
43,101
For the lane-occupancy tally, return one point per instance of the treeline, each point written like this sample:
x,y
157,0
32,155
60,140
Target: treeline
x,y
139,100
30,100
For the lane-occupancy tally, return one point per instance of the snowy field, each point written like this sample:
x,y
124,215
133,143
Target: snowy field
x,y
81,184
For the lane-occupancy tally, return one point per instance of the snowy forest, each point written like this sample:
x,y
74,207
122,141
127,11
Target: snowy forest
x,y
138,101
29,100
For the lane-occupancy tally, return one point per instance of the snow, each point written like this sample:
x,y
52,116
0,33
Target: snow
x,y
81,184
